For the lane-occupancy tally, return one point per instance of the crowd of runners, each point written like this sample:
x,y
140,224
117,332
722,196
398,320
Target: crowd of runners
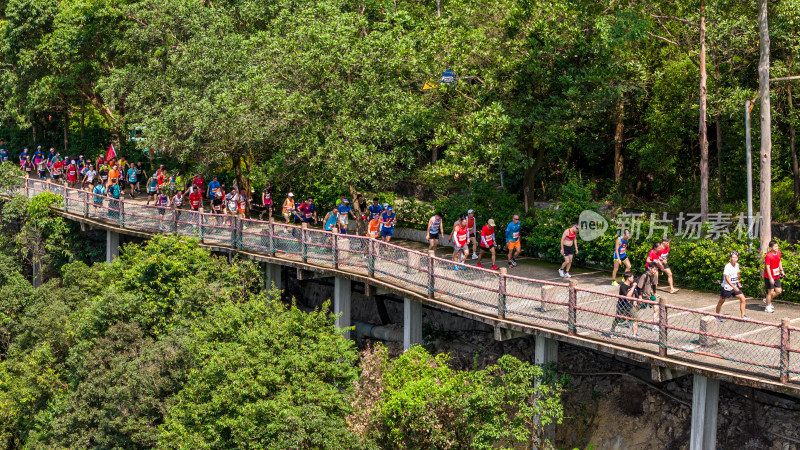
x,y
110,178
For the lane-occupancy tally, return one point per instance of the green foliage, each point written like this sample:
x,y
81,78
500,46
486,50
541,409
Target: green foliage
x,y
268,376
426,404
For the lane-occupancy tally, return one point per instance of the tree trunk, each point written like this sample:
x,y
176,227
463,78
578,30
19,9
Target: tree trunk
x,y
719,151
530,177
793,150
33,126
66,132
434,154
438,8
619,136
765,233
703,130
83,123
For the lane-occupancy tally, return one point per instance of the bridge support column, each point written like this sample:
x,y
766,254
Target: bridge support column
x,y
341,303
546,352
272,275
412,323
705,401
112,246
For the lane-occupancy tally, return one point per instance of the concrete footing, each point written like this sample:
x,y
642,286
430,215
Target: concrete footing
x,y
112,246
412,323
341,303
705,401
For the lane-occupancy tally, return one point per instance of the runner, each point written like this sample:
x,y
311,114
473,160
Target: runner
x,y
41,167
177,203
434,230
141,175
199,181
331,220
488,243
115,192
72,174
360,207
162,201
196,200
232,199
102,172
621,255
152,189
23,158
387,224
569,248
731,286
242,203
345,211
460,242
626,307
307,212
646,286
81,162
161,176
99,192
662,256
133,181
217,203
375,209
213,187
374,228
513,240
88,176
773,272
180,183
27,166
266,200
472,227
3,153
58,168
288,207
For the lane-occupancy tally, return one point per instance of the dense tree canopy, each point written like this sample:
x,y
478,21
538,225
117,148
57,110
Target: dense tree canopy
x,y
319,96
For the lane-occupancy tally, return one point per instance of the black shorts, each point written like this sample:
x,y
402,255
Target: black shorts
x,y
56,177
664,265
569,250
724,293
434,235
769,285
489,248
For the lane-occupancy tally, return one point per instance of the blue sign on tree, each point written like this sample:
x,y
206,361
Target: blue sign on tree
x,y
448,77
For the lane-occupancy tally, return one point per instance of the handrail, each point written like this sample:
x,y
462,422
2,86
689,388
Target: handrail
x,y
690,334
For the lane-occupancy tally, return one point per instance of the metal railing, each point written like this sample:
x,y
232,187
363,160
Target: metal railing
x,y
742,346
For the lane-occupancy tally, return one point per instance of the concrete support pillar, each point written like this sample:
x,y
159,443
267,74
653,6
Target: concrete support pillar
x,y
412,323
705,401
272,275
112,246
341,303
546,352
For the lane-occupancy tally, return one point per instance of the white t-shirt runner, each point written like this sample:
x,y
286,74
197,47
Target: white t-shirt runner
x,y
733,274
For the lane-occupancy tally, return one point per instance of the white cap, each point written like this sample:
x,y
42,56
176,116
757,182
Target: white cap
x,y
72,162
470,211
385,205
346,201
291,195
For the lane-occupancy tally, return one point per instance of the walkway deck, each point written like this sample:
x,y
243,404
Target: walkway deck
x,y
759,352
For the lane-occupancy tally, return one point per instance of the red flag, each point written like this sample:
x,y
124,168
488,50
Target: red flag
x,y
111,153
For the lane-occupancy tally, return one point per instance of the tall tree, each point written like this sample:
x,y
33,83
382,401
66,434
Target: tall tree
x,y
765,192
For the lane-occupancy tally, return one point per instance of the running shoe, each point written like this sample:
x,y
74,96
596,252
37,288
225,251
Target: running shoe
x,y
567,275
764,300
480,265
672,291
561,273
495,267
769,309
614,283
514,262
455,268
745,317
474,256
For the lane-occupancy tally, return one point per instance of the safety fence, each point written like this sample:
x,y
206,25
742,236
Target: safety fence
x,y
694,335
